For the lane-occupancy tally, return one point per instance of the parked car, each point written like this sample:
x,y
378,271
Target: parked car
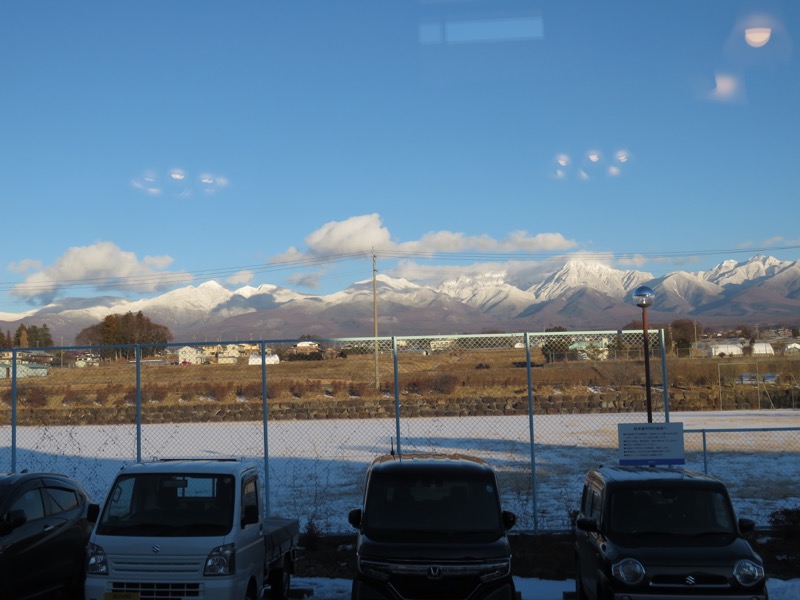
x,y
45,522
431,526
190,529
661,532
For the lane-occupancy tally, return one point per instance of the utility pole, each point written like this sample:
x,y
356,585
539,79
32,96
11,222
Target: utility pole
x,y
375,314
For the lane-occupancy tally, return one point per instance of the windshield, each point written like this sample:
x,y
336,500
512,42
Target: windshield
x,y
169,505
425,502
671,511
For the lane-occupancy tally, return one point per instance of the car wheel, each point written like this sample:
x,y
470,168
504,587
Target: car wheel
x,y
280,581
251,593
580,591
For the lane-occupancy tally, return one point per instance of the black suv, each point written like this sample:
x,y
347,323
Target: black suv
x,y
45,522
432,527
659,532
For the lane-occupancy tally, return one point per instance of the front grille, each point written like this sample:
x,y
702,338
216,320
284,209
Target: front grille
x,y
423,588
158,591
690,580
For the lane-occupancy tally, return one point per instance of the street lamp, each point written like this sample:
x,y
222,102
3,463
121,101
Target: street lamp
x,y
643,297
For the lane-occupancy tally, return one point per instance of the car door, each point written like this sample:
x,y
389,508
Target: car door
x,y
24,549
587,542
250,538
67,530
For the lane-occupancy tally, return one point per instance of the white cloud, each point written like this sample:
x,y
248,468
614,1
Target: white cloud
x,y
356,234
241,278
363,233
25,265
177,182
101,266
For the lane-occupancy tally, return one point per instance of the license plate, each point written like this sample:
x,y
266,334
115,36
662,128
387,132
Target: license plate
x,y
121,596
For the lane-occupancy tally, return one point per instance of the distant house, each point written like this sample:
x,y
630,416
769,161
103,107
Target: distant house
x,y
590,350
724,350
763,349
306,347
23,370
189,355
269,359
229,356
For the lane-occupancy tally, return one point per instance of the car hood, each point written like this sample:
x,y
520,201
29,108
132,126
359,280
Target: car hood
x,y
688,551
415,550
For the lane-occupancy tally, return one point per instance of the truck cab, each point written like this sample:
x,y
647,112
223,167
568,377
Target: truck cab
x,y
188,528
431,526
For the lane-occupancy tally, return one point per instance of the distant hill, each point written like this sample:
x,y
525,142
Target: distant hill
x,y
579,295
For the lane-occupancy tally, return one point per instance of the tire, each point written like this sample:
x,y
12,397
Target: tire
x,y
280,580
580,591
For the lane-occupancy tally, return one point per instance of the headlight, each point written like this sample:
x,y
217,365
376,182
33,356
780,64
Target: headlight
x,y
378,570
221,561
628,571
747,572
96,561
496,571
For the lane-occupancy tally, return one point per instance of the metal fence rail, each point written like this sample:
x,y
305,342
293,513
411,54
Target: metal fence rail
x,y
316,412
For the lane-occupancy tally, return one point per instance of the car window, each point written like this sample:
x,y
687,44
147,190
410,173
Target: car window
x,y
595,508
249,494
62,499
30,503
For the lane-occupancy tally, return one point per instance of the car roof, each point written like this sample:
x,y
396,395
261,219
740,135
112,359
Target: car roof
x,y
207,466
622,474
10,479
401,462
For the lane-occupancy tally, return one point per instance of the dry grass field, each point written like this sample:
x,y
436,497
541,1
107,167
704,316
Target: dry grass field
x,y
473,373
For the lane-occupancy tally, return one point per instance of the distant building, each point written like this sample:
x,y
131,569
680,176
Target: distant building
x,y
724,350
763,349
189,355
269,359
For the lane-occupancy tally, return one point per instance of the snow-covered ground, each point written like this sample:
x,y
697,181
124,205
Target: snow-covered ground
x,y
538,589
317,467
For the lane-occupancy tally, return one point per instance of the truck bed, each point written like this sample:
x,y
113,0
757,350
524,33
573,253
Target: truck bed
x,y
282,536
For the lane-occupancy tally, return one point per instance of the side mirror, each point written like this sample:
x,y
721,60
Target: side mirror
x,y
92,512
354,518
746,525
12,520
509,519
250,515
586,524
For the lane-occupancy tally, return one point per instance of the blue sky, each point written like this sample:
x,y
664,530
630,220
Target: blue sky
x,y
151,144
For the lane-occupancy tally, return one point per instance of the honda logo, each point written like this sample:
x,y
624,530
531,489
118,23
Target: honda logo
x,y
434,572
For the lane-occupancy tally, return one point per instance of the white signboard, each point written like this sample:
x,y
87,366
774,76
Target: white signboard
x,y
651,444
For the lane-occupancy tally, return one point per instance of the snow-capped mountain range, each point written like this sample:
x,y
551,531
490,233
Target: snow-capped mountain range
x,y
579,295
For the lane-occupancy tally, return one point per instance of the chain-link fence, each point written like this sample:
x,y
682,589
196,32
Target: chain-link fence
x,y
315,412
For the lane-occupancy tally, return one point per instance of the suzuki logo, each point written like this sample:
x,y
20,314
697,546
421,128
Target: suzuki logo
x,y
155,548
690,580
434,572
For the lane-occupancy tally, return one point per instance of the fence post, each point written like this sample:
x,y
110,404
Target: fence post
x,y
396,394
530,430
264,423
13,410
664,377
138,355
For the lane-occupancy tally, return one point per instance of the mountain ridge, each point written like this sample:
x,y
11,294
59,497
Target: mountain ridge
x,y
579,295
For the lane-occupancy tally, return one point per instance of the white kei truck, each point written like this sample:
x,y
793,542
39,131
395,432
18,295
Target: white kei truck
x,y
189,529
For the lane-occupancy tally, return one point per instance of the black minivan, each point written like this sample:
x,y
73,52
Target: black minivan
x,y
660,532
431,526
45,522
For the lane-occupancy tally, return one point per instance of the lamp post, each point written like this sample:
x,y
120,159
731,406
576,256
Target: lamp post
x,y
643,297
